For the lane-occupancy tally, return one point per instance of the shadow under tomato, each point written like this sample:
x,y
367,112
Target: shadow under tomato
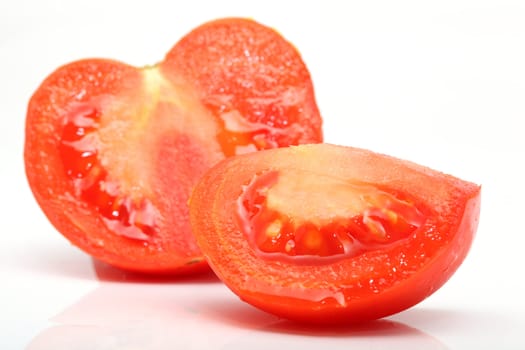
x,y
107,273
228,309
70,262
377,328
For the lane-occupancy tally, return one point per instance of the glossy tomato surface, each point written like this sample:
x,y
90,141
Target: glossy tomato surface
x,y
112,151
328,234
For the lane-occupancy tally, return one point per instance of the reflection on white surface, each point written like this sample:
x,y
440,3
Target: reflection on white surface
x,y
127,312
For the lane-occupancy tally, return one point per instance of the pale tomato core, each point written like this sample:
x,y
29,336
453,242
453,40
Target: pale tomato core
x,y
291,213
129,217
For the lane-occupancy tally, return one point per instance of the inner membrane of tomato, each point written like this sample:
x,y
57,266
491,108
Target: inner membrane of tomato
x,y
291,213
124,215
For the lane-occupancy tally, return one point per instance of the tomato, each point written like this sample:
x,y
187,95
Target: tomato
x,y
325,234
113,151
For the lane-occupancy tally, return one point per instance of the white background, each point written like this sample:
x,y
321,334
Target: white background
x,y
440,83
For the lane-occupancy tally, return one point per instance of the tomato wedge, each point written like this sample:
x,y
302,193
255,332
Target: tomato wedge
x,y
328,234
112,151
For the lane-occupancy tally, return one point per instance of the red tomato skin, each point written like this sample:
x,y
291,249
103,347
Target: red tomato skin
x,y
294,291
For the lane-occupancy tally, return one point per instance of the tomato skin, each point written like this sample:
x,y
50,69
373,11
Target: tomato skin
x,y
156,137
371,285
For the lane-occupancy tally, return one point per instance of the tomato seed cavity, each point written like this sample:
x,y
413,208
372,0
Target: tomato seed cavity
x,y
134,219
238,135
384,221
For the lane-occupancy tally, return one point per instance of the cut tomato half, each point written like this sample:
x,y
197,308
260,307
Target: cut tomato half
x,y
325,234
112,151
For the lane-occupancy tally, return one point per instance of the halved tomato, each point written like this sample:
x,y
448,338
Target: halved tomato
x,y
112,151
323,233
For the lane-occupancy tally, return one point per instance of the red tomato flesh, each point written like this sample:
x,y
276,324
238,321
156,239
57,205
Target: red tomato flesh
x,y
328,234
112,151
